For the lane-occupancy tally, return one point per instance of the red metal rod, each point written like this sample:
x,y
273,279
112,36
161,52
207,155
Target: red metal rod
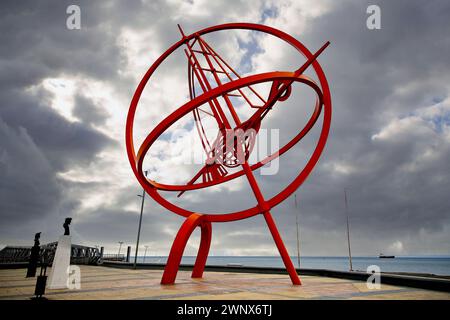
x,y
203,250
264,207
201,77
179,244
216,77
221,122
282,249
235,73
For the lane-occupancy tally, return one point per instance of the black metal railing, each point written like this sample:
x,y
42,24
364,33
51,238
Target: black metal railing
x,y
113,257
79,254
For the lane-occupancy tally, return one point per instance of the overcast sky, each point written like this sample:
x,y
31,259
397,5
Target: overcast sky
x,y
64,97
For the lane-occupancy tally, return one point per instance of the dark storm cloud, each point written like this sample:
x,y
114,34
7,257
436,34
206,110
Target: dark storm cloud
x,y
36,142
89,112
377,78
35,36
373,76
63,143
37,45
28,186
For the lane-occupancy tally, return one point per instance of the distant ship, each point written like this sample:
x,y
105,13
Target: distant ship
x,y
382,256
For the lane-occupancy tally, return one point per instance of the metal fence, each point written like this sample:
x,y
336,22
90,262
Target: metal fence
x,y
114,257
79,254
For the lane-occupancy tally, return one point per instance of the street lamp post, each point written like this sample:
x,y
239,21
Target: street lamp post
x,y
145,253
120,247
348,231
298,238
140,223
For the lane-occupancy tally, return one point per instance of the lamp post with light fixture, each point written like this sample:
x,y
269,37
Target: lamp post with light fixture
x,y
348,231
120,247
140,223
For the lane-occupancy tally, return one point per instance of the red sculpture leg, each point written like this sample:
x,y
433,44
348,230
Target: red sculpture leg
x,y
282,249
203,250
179,244
271,223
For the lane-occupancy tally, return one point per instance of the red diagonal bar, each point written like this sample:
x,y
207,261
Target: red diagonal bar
x,y
216,77
201,77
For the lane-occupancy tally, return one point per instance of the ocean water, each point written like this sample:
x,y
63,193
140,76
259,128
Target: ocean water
x,y
430,265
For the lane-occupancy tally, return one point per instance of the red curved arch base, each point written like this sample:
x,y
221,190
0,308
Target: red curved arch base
x,y
179,244
197,220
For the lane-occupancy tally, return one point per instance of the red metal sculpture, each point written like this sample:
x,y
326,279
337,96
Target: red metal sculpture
x,y
220,156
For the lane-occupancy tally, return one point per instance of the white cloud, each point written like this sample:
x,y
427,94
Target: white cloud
x,y
396,247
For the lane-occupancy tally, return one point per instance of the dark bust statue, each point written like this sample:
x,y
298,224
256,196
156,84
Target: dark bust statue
x,y
34,256
66,226
37,236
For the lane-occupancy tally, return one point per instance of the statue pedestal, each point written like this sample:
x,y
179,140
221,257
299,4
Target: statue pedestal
x,y
59,272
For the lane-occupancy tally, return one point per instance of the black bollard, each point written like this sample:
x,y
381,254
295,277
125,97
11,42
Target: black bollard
x,y
34,257
128,253
41,281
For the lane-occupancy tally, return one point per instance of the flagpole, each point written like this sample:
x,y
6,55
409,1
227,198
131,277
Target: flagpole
x,y
298,238
348,231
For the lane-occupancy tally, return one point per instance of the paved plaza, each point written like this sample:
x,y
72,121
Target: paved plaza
x,y
110,283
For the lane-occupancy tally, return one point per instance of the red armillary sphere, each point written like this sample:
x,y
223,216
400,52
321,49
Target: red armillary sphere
x,y
220,153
